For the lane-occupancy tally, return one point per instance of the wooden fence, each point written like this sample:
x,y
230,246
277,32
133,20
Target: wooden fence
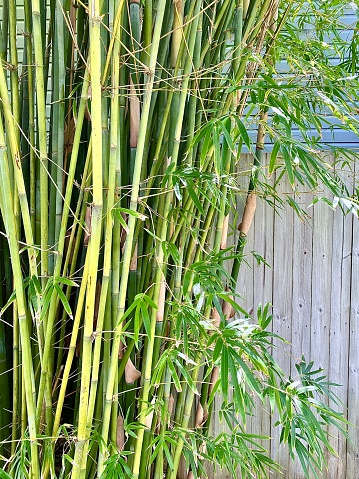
x,y
313,284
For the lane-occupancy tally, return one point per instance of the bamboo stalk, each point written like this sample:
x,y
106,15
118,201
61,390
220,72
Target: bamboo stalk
x,y
130,236
46,367
41,125
94,245
29,381
106,275
14,77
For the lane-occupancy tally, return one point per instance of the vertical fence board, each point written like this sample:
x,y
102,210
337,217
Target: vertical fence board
x,y
262,293
282,307
353,386
302,295
339,331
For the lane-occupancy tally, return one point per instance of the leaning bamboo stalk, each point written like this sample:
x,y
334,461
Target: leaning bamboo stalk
x,y
71,350
11,132
73,248
82,290
31,108
106,274
188,404
130,236
4,29
16,383
94,245
29,380
41,125
12,138
58,118
46,367
177,30
152,345
14,77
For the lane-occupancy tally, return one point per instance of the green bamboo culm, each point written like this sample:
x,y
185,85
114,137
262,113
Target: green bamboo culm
x,y
123,126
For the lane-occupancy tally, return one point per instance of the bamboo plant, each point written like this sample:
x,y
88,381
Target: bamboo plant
x,y
122,129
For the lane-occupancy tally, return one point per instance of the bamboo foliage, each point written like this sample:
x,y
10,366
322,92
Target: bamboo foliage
x,y
120,170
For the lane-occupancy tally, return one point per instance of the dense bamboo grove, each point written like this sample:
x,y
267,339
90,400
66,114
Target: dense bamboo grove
x,y
121,132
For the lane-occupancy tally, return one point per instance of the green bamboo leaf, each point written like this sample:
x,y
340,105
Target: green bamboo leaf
x,y
35,281
174,374
156,450
67,281
194,198
121,219
200,135
273,157
135,214
159,369
207,143
137,300
252,380
225,125
146,319
264,319
217,353
288,163
224,373
217,151
170,249
177,191
187,377
238,398
8,303
4,475
187,281
168,173
243,132
46,299
63,299
137,324
168,456
302,453
226,297
149,301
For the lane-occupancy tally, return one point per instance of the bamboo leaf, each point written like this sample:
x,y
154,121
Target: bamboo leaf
x,y
243,132
46,299
195,198
146,319
288,164
217,151
273,157
174,374
187,377
67,281
207,143
224,373
11,299
63,299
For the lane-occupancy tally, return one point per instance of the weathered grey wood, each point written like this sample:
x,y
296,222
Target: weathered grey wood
x,y
245,280
353,385
282,307
262,293
314,288
302,294
339,328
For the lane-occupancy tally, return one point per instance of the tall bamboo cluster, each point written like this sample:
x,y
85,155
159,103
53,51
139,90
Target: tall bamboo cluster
x,y
121,132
